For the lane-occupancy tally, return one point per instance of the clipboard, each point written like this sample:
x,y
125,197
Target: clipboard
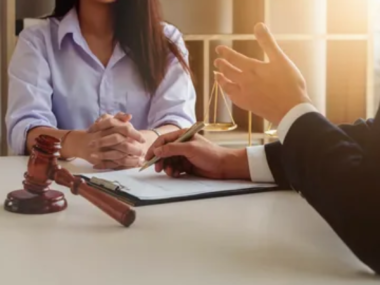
x,y
118,191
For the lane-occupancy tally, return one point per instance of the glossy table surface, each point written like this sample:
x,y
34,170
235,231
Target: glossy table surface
x,y
268,238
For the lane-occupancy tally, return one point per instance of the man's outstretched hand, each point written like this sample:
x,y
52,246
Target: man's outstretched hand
x,y
268,89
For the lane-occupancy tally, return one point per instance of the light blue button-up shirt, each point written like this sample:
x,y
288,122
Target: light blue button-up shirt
x,y
56,81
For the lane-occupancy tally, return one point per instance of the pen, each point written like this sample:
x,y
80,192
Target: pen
x,y
185,137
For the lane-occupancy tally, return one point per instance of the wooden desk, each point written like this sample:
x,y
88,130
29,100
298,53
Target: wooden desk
x,y
266,239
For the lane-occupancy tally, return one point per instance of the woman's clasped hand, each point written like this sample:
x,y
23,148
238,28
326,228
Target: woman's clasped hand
x,y
113,143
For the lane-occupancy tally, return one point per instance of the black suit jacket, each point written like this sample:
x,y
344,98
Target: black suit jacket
x,y
337,170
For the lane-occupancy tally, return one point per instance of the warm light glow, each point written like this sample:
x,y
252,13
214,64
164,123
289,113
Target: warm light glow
x,y
347,16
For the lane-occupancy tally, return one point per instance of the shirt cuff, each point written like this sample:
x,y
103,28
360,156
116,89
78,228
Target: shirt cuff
x,y
17,139
292,116
258,165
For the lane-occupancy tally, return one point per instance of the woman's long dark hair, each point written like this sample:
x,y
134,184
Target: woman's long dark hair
x,y
138,29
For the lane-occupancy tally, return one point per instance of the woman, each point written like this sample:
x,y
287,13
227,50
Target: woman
x,y
94,57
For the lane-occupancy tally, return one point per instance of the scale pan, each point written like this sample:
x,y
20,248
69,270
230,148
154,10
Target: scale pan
x,y
220,127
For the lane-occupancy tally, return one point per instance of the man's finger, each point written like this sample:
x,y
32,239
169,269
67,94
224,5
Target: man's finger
x,y
229,70
159,166
169,170
228,86
174,149
173,172
187,166
267,42
237,59
171,167
162,140
181,166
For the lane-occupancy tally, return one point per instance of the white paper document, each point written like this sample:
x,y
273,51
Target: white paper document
x,y
149,185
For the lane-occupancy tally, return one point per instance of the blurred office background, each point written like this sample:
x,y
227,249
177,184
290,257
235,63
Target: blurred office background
x,y
335,43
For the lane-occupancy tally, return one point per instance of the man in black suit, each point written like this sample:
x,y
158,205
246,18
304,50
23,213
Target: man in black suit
x,y
336,169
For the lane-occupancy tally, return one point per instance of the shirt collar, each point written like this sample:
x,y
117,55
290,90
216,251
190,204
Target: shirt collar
x,y
68,25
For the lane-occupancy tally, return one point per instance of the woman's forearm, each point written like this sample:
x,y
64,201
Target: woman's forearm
x,y
72,146
77,141
151,136
33,134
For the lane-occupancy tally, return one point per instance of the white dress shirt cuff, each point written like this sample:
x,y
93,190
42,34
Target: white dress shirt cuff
x,y
258,165
289,119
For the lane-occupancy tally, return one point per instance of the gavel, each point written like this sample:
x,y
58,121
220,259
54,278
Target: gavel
x,y
43,170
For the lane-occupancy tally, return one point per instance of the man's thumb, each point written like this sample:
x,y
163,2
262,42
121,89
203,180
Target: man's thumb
x,y
267,41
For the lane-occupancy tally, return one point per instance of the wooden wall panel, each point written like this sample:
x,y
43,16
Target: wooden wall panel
x,y
346,81
7,42
196,66
247,13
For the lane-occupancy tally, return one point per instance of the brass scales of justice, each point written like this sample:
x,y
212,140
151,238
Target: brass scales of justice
x,y
215,126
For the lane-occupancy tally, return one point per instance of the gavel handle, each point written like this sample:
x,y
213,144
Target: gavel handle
x,y
118,210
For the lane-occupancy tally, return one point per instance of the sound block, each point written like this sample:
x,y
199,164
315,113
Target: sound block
x,y
24,202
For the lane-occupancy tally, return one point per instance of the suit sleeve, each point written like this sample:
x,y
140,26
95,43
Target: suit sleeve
x,y
359,132
338,175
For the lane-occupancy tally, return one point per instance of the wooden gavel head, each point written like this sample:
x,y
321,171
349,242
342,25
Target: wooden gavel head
x,y
38,198
41,161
